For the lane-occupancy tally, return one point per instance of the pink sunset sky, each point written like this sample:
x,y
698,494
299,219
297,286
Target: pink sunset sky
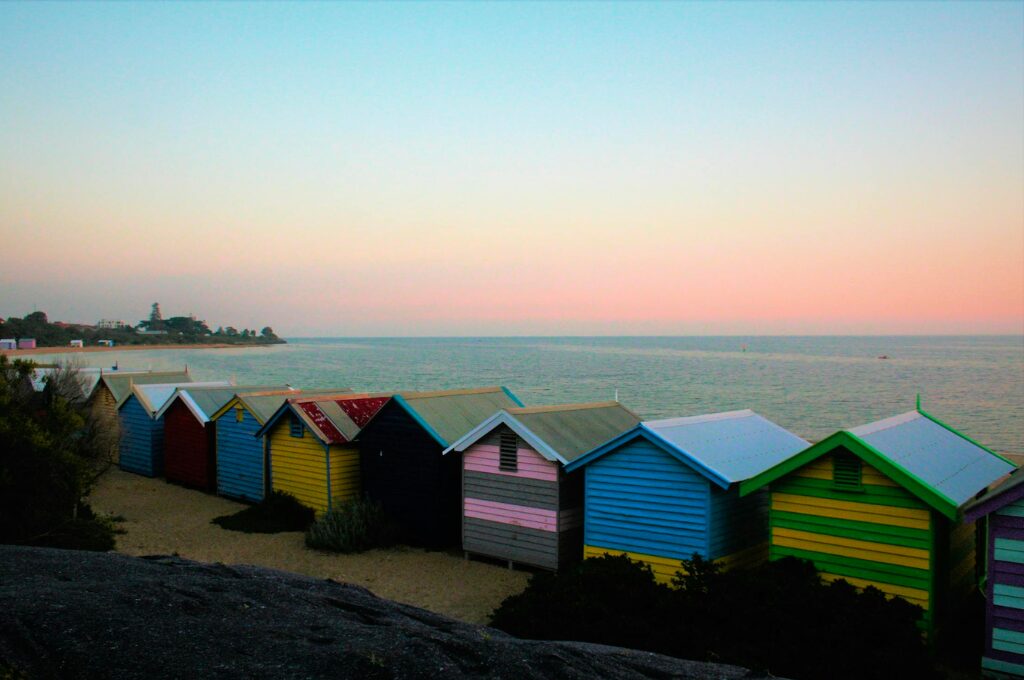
x,y
517,169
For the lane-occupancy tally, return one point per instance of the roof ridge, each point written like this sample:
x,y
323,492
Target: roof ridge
x,y
338,396
884,424
525,410
703,418
450,393
267,393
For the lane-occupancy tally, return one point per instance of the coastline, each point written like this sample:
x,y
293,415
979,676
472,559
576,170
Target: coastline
x,y
122,348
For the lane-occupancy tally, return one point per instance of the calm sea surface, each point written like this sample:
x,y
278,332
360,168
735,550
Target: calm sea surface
x,y
811,385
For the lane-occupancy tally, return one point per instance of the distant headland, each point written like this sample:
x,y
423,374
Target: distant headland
x,y
36,333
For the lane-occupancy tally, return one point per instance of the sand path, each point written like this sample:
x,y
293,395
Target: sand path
x,y
162,518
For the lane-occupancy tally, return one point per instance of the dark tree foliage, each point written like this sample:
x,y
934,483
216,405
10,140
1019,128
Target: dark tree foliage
x,y
52,450
779,618
277,512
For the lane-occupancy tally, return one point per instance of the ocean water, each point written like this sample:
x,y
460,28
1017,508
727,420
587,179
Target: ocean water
x,y
810,385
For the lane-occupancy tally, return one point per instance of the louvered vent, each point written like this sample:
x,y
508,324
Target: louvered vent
x,y
296,427
509,460
846,471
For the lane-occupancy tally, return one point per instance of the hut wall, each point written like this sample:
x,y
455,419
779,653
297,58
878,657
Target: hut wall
x,y
346,484
298,465
1004,609
403,469
513,515
104,407
240,459
188,454
141,447
739,527
643,502
880,535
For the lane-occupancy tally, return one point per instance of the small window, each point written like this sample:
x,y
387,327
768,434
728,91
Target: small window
x,y
846,471
296,427
239,414
509,460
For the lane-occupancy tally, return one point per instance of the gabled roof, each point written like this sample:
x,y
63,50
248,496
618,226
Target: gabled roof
x,y
153,397
559,433
120,384
263,404
448,414
725,447
333,419
997,498
939,465
203,402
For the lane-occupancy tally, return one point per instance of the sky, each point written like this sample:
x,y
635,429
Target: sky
x,y
516,169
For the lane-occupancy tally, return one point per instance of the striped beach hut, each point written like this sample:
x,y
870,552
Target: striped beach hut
x,y
1001,512
142,434
113,387
881,504
309,446
667,489
190,445
403,468
518,502
241,456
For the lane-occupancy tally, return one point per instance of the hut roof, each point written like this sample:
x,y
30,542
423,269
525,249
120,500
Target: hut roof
x,y
560,433
153,397
333,419
448,414
935,462
120,384
204,402
1010,490
725,447
263,404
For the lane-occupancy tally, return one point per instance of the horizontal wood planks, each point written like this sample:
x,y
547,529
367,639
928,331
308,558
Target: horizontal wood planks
x,y
519,515
345,482
878,535
298,465
141,445
1004,611
240,459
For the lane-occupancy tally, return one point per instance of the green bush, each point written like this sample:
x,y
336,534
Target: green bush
x,y
52,450
778,618
353,526
276,513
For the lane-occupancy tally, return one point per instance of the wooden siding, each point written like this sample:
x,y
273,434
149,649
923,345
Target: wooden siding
x,y
240,460
188,454
664,568
640,500
403,469
879,535
520,516
1004,609
345,479
298,465
141,446
104,408
738,524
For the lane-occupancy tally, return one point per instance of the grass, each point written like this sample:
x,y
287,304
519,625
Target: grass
x,y
276,513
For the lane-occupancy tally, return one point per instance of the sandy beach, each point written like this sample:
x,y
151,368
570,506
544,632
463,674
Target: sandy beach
x,y
119,348
162,518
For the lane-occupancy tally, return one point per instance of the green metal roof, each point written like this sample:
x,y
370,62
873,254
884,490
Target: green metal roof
x,y
121,385
449,414
264,403
574,429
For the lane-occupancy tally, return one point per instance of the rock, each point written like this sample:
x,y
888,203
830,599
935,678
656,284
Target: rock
x,y
97,615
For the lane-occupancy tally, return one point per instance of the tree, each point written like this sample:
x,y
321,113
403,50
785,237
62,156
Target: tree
x,y
52,450
231,331
268,332
155,316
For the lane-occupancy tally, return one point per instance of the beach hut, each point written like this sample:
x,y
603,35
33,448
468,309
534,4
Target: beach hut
x,y
667,489
241,458
8,343
76,343
1001,511
27,343
114,386
881,505
310,453
142,435
518,502
400,451
190,445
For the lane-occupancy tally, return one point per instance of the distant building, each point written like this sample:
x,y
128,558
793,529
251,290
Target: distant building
x,y
152,332
76,343
8,343
27,343
102,343
112,324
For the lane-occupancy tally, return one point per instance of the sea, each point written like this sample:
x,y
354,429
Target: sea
x,y
810,385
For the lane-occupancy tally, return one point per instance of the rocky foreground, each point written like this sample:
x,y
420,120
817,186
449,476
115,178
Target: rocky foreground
x,y
91,615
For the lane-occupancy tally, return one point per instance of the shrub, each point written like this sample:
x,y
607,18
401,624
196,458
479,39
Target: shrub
x,y
778,617
276,513
353,526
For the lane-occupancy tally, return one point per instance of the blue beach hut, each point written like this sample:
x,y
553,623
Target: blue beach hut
x,y
667,489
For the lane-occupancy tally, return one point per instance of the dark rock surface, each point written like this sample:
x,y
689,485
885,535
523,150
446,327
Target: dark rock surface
x,y
98,615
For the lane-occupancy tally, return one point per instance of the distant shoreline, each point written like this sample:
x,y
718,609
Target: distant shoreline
x,y
122,348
